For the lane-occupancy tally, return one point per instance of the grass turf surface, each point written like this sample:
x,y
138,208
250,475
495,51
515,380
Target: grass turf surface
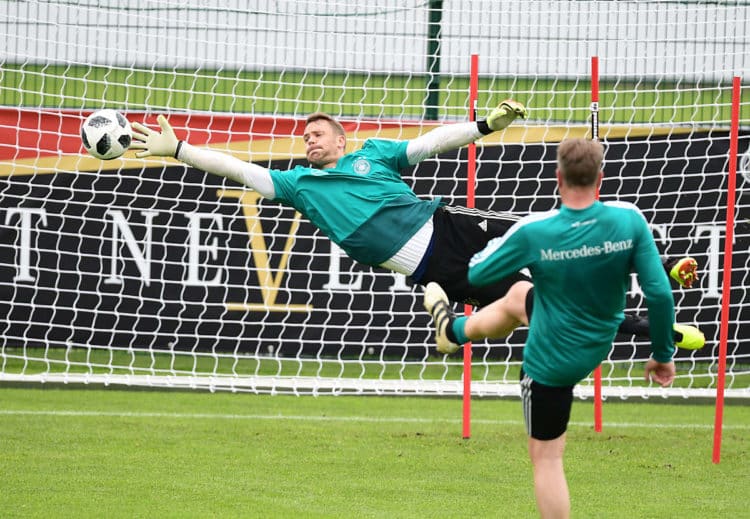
x,y
112,453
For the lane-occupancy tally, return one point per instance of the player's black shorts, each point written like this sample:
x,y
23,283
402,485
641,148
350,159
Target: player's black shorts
x,y
458,234
546,409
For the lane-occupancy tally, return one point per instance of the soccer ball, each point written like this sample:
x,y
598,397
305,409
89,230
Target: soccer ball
x,y
106,134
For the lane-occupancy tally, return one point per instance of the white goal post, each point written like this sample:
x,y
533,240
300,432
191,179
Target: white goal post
x,y
146,272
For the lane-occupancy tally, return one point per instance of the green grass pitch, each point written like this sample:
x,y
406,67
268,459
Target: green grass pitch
x,y
113,453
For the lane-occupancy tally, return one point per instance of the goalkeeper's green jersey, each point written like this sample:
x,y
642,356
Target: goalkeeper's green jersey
x,y
362,204
580,262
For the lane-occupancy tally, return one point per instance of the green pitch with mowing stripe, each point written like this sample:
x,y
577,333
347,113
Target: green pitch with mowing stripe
x,y
110,453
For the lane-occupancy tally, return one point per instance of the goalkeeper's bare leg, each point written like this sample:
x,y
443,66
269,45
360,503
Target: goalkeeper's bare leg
x,y
493,321
498,319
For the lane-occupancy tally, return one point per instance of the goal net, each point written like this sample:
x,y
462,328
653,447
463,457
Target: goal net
x,y
147,272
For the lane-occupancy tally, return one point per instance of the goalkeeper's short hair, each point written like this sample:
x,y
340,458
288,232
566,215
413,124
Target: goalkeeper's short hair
x,y
322,116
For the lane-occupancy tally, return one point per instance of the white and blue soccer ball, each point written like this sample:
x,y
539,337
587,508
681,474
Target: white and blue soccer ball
x,y
106,134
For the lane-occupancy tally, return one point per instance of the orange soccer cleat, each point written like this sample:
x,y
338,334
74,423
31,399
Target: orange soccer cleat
x,y
684,271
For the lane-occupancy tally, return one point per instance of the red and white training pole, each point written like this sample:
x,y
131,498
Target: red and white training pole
x,y
595,136
727,282
470,183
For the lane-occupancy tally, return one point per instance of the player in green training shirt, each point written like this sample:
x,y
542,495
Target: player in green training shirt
x,y
361,203
580,257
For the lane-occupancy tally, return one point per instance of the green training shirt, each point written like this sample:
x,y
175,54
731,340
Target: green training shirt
x,y
580,262
361,204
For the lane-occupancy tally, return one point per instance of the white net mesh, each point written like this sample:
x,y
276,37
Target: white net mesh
x,y
147,272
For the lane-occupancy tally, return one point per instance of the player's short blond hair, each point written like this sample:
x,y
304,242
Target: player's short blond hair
x,y
322,116
580,161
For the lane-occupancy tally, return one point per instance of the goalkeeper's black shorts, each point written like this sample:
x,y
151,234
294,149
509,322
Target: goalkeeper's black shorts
x,y
458,234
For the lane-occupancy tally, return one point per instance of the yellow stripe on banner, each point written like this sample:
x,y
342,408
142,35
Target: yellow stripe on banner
x,y
73,163
294,147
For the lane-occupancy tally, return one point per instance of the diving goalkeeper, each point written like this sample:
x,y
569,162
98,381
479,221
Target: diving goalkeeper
x,y
360,202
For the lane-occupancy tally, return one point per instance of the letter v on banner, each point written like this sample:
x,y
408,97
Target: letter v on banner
x,y
269,282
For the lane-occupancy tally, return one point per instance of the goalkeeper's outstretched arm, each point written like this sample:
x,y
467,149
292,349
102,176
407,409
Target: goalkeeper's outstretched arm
x,y
454,136
166,144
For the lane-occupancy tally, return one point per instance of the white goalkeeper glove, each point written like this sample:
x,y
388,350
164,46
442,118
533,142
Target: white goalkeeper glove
x,y
164,144
505,113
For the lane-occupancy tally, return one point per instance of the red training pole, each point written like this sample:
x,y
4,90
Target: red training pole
x,y
470,181
595,136
595,98
727,282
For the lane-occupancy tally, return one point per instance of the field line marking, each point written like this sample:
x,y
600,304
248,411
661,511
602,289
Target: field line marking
x,y
328,418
